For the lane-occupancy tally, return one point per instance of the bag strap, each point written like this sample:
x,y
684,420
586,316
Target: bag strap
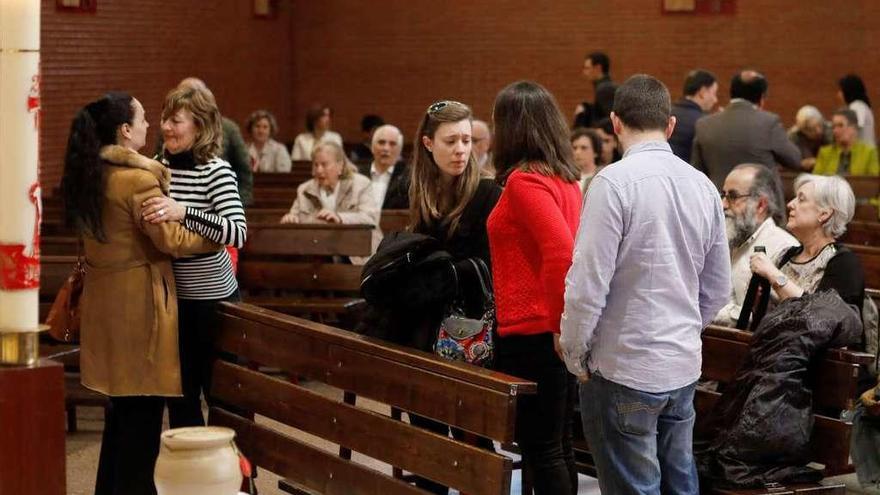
x,y
484,277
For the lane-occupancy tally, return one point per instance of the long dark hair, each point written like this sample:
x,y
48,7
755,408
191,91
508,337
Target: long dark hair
x,y
531,133
82,185
853,88
430,202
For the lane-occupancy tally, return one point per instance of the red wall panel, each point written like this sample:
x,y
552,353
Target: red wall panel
x,y
145,47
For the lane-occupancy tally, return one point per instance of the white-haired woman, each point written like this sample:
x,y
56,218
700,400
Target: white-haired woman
x,y
336,193
817,217
809,133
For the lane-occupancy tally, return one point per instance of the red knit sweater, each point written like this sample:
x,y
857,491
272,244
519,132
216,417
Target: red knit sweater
x,y
531,238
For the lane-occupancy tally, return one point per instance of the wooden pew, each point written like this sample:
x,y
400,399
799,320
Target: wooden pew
x,y
870,259
59,245
265,215
393,221
286,268
834,382
390,221
474,399
862,233
834,389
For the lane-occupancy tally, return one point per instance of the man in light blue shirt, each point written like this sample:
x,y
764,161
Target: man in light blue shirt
x,y
650,270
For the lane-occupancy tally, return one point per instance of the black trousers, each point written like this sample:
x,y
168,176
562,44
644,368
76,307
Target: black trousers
x,y
198,322
130,446
544,420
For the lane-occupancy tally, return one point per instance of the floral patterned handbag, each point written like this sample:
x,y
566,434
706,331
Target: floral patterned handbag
x,y
461,338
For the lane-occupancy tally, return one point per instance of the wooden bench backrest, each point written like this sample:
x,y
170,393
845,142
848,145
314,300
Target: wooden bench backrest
x,y
862,233
834,383
259,275
394,221
473,399
864,187
58,245
870,259
389,221
272,239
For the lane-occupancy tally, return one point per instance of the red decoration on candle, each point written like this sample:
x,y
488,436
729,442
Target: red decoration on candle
x,y
20,264
33,100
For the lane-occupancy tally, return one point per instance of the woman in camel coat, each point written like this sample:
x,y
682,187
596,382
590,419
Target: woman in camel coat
x,y
129,305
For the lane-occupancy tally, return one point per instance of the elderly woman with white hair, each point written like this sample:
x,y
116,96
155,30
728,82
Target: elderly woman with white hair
x,y
817,217
809,133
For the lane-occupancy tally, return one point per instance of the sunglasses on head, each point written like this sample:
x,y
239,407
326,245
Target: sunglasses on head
x,y
440,105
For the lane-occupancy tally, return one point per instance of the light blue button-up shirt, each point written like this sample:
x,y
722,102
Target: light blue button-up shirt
x,y
650,270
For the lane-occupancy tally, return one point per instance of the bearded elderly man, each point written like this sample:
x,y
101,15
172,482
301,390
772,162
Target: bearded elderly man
x,y
388,173
753,211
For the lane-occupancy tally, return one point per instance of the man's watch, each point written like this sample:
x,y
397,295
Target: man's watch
x,y
780,281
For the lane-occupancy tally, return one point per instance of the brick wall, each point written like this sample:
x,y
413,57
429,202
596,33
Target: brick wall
x,y
145,47
395,57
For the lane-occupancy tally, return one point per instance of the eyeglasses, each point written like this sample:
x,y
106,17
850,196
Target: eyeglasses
x,y
732,196
440,105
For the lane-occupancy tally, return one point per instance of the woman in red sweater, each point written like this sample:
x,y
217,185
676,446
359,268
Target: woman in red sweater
x,y
531,237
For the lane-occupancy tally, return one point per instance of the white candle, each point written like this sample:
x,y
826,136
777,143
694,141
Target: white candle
x,y
19,107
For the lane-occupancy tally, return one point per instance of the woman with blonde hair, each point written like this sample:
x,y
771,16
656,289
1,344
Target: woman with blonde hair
x,y
204,199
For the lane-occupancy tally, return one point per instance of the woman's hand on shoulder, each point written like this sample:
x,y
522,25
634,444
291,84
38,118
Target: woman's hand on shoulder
x,y
161,209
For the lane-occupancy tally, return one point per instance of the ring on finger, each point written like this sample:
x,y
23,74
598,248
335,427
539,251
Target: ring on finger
x,y
161,213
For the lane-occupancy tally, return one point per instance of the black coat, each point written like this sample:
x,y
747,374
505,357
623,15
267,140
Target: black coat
x,y
686,115
421,298
397,195
759,430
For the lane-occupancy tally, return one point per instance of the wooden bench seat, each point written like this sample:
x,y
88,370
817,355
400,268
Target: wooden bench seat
x,y
474,399
862,233
290,269
834,385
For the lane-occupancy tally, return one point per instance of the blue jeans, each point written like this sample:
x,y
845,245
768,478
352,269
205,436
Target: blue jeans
x,y
642,442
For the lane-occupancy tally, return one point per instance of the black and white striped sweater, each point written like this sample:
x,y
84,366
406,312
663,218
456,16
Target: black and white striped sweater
x,y
209,192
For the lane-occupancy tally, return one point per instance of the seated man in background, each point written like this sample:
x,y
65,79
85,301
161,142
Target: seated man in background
x,y
848,155
482,143
809,133
388,173
753,210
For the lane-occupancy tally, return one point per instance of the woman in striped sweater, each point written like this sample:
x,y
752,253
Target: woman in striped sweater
x,y
205,199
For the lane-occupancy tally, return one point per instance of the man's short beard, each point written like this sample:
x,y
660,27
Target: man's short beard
x,y
741,226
